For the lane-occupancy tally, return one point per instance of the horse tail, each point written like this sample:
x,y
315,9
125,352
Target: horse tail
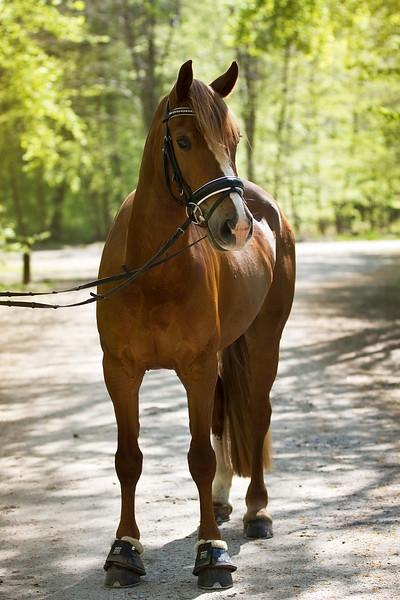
x,y
237,428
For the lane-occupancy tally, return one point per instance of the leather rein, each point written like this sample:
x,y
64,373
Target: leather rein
x,y
193,203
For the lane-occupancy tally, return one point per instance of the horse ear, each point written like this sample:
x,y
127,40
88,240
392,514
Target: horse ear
x,y
184,81
225,84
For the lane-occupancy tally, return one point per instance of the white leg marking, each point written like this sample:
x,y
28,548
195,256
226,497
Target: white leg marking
x,y
223,476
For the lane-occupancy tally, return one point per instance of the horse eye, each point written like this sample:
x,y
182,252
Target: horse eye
x,y
184,143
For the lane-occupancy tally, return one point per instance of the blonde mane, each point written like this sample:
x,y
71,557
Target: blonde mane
x,y
215,120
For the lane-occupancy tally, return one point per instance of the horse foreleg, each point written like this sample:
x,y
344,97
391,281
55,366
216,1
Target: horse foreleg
x,y
224,473
123,565
213,565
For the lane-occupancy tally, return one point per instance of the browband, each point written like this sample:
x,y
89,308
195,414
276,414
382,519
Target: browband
x,y
177,112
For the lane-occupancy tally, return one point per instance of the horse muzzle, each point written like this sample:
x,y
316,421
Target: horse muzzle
x,y
232,227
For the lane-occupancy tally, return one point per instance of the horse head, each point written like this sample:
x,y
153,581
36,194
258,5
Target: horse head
x,y
200,137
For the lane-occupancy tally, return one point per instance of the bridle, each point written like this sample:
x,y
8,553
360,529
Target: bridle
x,y
193,201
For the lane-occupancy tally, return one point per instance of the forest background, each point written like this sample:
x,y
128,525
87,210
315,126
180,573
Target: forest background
x,y
317,100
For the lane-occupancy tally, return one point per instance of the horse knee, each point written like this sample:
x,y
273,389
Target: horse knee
x,y
128,464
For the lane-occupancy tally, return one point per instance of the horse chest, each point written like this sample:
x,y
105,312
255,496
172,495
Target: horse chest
x,y
170,322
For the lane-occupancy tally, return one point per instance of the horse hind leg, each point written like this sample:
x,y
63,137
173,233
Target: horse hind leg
x,y
249,369
223,475
257,520
263,340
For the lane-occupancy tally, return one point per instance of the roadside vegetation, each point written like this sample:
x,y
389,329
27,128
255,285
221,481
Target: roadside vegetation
x,y
318,103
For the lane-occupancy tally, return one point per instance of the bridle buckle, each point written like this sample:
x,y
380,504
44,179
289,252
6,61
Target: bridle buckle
x,y
195,213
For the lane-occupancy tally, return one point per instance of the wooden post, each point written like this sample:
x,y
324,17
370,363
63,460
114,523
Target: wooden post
x,y
26,276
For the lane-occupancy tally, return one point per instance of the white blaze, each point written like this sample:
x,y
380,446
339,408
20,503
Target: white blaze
x,y
237,200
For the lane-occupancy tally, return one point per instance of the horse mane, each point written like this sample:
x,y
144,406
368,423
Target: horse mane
x,y
215,120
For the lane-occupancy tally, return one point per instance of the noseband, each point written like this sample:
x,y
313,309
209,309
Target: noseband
x,y
193,200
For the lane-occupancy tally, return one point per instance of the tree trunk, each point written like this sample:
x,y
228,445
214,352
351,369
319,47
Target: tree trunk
x,y
26,271
347,179
314,134
93,198
16,197
150,84
40,193
287,149
250,71
140,23
20,222
281,123
57,225
106,213
116,191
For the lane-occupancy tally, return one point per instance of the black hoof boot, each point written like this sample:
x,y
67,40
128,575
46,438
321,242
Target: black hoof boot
x,y
213,567
222,512
259,528
123,565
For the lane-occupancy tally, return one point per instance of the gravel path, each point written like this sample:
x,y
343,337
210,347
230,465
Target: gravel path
x,y
334,491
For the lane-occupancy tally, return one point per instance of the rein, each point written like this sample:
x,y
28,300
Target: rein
x,y
192,200
127,277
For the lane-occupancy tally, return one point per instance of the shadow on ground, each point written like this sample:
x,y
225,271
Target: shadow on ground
x,y
333,491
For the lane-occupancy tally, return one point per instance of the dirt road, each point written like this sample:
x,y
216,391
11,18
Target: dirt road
x,y
334,492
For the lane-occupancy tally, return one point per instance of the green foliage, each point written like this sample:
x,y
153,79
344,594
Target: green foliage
x,y
262,24
42,138
327,131
318,98
34,102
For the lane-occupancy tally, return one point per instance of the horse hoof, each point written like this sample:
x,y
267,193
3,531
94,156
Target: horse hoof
x,y
118,577
123,565
222,511
259,528
215,579
213,566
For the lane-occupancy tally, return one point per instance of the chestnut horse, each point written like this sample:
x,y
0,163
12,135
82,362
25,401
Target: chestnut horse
x,y
214,314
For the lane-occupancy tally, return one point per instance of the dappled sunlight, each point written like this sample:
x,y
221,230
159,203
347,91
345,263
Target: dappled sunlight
x,y
335,440
332,491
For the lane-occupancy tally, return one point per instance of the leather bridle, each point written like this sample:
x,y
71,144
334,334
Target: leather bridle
x,y
193,201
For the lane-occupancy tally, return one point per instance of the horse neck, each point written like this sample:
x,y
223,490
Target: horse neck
x,y
155,217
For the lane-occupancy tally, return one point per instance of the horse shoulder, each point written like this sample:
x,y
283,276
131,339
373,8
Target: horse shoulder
x,y
113,258
114,251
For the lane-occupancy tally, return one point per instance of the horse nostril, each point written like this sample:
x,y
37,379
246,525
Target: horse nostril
x,y
231,224
227,230
250,233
